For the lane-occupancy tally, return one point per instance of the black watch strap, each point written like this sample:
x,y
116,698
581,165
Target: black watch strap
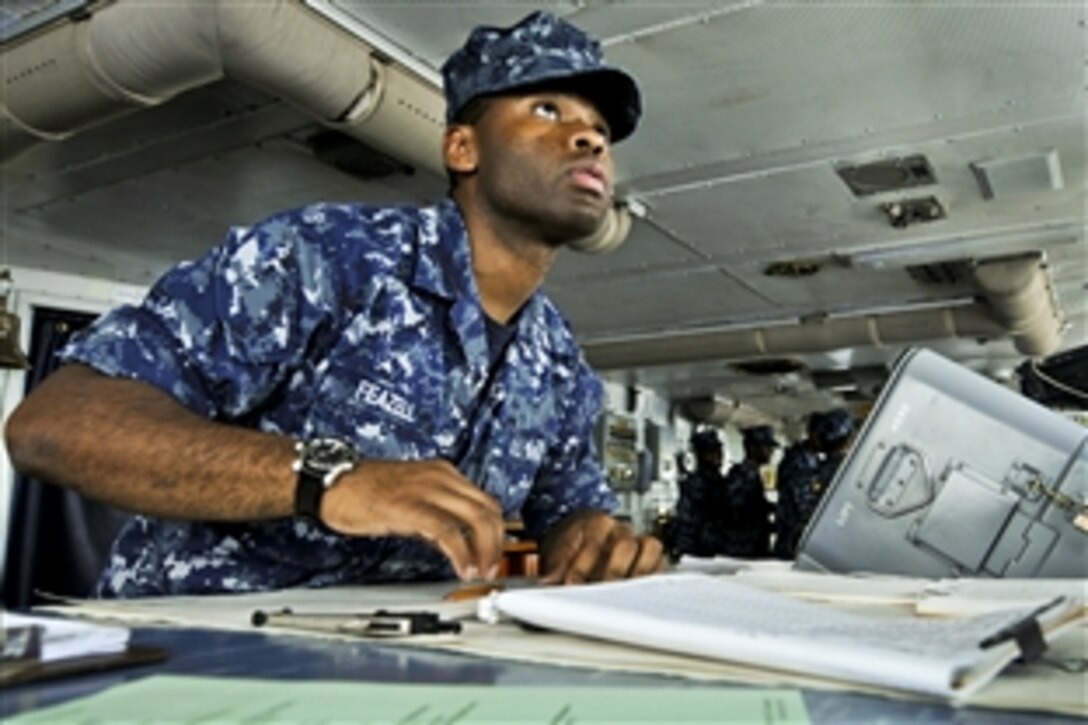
x,y
308,494
320,464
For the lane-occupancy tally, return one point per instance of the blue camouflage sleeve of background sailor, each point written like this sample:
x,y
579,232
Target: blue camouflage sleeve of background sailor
x,y
220,333
571,478
689,515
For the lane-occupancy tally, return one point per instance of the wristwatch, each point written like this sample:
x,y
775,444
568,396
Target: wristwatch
x,y
320,464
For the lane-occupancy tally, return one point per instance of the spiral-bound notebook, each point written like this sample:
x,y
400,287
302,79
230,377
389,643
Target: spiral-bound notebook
x,y
955,475
722,619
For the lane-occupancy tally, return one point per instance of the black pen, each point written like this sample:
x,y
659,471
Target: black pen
x,y
381,623
1021,627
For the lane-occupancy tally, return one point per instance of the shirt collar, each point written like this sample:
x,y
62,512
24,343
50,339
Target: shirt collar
x,y
444,259
443,267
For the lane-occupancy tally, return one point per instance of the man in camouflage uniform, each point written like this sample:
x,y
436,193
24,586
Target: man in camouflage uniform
x,y
806,469
348,393
695,493
738,514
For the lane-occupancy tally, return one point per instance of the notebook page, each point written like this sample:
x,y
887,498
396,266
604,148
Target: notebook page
x,y
722,619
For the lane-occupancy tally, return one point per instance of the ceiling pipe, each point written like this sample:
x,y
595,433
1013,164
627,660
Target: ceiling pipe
x,y
1016,302
131,55
895,328
1017,290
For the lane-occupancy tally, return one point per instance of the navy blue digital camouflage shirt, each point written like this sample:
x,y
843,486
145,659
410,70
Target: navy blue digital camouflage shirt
x,y
799,492
723,515
691,510
740,516
363,323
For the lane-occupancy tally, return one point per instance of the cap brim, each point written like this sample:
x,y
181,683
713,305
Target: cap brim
x,y
616,96
612,91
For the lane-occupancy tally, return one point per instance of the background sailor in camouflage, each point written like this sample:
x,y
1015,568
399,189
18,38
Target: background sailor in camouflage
x,y
696,491
739,519
419,336
806,469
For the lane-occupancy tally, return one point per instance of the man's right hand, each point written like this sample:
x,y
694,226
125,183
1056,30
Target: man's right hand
x,y
428,499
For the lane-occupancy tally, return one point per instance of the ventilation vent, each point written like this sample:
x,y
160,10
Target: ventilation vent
x,y
939,273
904,172
793,268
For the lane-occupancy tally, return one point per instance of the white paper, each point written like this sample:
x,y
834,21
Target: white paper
x,y
235,611
963,597
837,588
726,620
64,639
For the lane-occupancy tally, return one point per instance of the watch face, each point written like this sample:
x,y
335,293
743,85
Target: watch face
x,y
323,454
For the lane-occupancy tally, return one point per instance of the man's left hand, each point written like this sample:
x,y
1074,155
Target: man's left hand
x,y
592,546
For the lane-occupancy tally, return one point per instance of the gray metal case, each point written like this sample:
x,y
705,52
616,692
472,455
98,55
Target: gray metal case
x,y
955,475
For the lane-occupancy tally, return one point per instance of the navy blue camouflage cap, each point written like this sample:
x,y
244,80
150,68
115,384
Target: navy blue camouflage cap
x,y
831,426
706,440
759,435
541,51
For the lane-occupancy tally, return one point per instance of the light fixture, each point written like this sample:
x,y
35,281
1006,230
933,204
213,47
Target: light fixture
x,y
904,212
11,355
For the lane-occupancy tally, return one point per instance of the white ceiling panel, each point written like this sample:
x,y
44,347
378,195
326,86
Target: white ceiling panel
x,y
807,209
178,212
789,75
836,288
645,250
653,302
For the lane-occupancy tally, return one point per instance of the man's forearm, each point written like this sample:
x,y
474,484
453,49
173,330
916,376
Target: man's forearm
x,y
132,446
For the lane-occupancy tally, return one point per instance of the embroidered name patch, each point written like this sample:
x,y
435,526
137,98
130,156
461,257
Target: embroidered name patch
x,y
396,405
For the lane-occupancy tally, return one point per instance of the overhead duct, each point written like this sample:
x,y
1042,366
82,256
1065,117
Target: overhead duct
x,y
1018,292
971,320
1016,302
132,55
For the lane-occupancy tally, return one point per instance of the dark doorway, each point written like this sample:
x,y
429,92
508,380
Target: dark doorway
x,y
57,539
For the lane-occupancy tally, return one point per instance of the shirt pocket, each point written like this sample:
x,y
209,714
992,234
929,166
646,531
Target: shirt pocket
x,y
382,387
